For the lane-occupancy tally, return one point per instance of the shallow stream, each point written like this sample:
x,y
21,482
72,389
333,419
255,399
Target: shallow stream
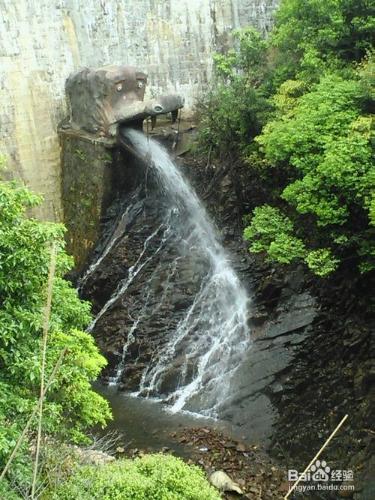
x,y
148,425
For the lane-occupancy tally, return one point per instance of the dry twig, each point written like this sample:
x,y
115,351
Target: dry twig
x,y
46,318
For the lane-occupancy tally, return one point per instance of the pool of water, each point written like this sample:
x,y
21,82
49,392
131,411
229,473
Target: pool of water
x,y
147,425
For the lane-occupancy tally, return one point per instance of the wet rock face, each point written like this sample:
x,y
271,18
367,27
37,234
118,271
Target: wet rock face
x,y
332,375
262,377
312,356
165,286
312,359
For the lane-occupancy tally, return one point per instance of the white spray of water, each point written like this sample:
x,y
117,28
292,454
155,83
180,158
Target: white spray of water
x,y
134,271
111,243
213,334
114,380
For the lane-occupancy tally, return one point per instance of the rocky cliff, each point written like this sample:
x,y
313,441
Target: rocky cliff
x,y
310,363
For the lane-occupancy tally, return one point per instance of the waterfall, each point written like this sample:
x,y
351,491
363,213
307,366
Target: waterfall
x,y
203,347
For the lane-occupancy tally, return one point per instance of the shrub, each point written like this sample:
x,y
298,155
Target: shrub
x,y
236,108
151,477
231,116
71,405
297,108
326,137
311,34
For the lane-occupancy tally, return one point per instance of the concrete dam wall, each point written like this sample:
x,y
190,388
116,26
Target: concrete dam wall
x,y
43,41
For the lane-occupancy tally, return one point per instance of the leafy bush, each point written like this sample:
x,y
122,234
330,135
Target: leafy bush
x,y
71,405
233,113
152,477
249,59
310,35
327,140
297,109
231,117
266,225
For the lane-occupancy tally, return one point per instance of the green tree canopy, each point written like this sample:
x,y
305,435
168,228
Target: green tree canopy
x,y
71,405
312,34
327,137
298,108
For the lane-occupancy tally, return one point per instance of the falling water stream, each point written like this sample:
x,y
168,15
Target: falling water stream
x,y
206,344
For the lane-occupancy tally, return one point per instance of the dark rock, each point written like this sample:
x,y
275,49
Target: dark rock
x,y
312,356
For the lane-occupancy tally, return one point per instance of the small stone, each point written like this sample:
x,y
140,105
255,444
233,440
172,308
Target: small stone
x,y
223,482
94,457
241,447
254,490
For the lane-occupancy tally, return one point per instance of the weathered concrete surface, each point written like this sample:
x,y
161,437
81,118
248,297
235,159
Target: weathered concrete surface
x,y
257,13
95,171
87,188
100,99
43,41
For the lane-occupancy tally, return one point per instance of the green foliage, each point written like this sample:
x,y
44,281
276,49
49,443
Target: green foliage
x,y
248,60
236,108
152,477
286,98
266,225
71,406
297,108
81,155
285,248
272,232
327,139
7,493
312,34
321,261
372,210
231,117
